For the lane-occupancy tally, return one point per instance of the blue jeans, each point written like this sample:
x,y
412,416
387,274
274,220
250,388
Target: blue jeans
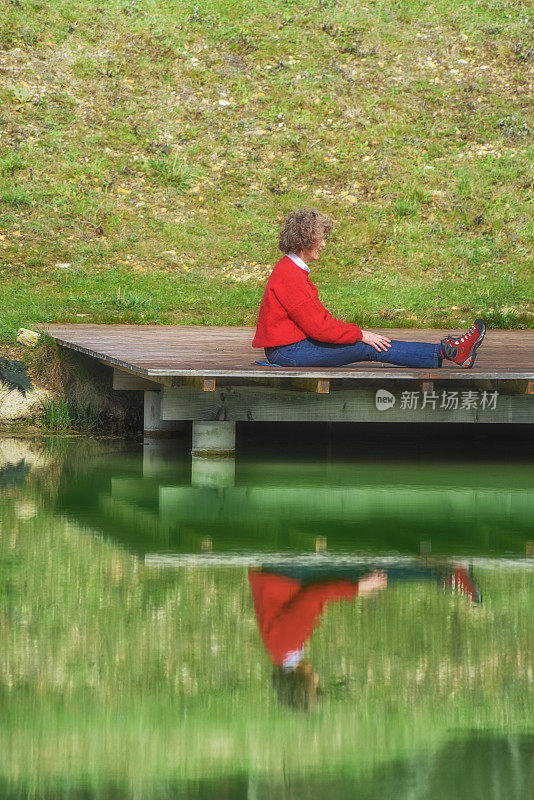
x,y
311,353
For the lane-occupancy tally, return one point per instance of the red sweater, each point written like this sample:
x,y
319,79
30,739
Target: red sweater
x,y
288,612
291,311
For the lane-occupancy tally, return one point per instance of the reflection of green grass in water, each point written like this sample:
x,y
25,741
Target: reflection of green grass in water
x,y
112,671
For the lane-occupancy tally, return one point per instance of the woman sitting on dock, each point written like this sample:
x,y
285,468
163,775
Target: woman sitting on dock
x,y
296,330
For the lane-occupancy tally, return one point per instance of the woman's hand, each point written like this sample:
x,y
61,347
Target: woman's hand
x,y
372,583
380,343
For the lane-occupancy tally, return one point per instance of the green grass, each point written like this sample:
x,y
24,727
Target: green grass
x,y
157,147
60,417
56,417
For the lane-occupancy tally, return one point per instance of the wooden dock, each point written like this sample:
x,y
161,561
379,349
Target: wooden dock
x,y
158,351
209,375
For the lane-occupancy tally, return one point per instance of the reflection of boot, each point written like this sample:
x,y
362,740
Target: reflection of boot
x,y
462,581
463,350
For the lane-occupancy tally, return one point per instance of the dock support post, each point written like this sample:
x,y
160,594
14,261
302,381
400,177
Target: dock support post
x,y
152,421
213,473
213,454
215,438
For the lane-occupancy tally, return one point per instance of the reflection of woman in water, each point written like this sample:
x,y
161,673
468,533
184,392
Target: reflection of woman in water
x,y
287,612
289,603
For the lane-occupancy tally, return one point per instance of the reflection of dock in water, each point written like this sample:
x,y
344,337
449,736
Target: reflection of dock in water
x,y
334,563
376,508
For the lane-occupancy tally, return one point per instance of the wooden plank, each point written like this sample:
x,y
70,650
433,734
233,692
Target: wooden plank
x,y
197,351
127,381
380,373
344,405
181,560
530,387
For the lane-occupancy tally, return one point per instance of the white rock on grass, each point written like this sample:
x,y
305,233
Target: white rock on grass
x,y
27,337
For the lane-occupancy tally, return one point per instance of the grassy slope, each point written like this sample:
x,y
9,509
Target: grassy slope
x,y
155,147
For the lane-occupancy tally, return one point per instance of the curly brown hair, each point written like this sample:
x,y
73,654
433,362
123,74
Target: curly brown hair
x,y
297,689
302,229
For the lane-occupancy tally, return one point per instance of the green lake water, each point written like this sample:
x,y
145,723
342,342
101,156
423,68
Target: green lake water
x,y
137,659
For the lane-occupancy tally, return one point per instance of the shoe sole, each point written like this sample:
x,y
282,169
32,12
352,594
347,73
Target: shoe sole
x,y
470,360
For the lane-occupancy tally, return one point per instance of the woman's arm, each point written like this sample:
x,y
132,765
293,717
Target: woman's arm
x,y
293,625
317,323
299,297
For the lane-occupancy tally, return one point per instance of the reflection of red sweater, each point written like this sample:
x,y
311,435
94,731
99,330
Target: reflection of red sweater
x,y
287,612
291,311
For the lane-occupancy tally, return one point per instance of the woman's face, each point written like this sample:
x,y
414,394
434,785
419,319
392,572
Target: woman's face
x,y
312,253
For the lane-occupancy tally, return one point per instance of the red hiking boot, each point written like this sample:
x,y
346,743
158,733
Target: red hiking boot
x,y
463,350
